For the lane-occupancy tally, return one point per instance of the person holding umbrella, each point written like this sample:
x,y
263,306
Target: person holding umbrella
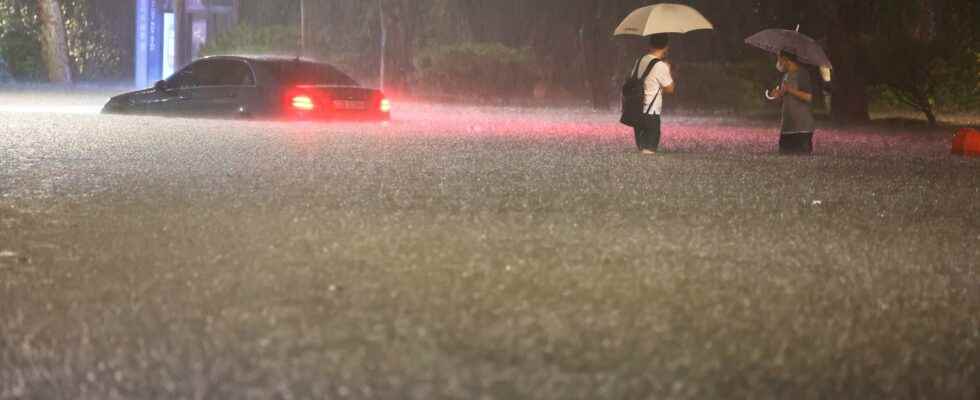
x,y
656,85
794,49
651,71
796,92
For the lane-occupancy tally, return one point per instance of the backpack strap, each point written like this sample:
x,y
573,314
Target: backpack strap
x,y
659,89
654,101
636,68
648,70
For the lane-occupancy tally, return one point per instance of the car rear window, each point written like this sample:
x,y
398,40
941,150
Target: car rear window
x,y
306,73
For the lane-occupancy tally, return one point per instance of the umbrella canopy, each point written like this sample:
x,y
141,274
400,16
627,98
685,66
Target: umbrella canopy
x,y
805,48
663,18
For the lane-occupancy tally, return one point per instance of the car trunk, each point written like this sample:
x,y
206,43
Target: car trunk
x,y
341,100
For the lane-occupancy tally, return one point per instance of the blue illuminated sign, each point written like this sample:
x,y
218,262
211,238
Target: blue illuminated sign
x,y
148,55
169,44
142,38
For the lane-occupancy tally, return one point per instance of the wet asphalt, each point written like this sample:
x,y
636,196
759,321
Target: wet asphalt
x,y
470,253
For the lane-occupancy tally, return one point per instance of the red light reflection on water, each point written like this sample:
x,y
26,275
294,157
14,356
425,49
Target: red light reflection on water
x,y
684,134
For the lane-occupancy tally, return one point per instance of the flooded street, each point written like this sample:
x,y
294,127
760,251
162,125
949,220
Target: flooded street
x,y
464,252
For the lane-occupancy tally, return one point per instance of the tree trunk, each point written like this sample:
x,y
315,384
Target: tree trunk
x,y
384,45
54,42
931,116
926,107
182,39
849,101
236,14
596,59
302,28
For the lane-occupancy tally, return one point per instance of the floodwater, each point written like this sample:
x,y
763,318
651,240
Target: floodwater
x,y
468,252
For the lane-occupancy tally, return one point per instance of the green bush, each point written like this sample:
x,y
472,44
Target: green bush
x,y
958,82
929,71
95,52
723,87
248,39
20,43
24,54
480,71
4,74
918,78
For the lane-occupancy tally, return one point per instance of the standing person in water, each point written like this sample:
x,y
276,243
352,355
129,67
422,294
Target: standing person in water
x,y
796,91
656,85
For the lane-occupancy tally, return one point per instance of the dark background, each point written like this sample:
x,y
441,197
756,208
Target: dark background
x,y
917,54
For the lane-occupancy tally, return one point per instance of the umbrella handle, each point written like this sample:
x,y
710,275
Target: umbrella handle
x,y
779,84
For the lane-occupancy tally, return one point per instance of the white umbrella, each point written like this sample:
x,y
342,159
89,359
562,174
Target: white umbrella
x,y
663,18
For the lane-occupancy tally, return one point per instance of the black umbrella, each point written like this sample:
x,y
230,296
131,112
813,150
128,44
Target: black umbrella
x,y
805,48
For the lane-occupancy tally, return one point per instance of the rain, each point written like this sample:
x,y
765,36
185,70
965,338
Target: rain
x,y
518,246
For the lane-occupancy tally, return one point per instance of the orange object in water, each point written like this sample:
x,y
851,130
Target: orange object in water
x,y
967,142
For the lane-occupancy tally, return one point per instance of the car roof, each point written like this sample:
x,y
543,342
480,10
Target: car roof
x,y
263,58
260,63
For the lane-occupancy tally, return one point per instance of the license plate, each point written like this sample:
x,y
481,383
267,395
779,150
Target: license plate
x,y
349,105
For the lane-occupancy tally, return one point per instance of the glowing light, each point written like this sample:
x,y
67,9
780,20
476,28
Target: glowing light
x,y
304,103
385,106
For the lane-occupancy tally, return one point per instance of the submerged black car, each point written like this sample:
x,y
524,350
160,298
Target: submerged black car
x,y
260,87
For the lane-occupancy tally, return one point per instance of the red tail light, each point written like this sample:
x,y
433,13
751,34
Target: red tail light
x,y
303,103
385,106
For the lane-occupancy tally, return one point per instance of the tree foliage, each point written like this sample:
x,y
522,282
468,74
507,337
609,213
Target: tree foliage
x,y
479,71
923,51
926,54
95,50
570,40
248,39
20,40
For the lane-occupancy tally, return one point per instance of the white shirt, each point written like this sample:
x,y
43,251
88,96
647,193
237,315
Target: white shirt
x,y
659,79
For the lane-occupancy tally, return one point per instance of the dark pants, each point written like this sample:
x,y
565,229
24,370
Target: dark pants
x,y
796,143
648,133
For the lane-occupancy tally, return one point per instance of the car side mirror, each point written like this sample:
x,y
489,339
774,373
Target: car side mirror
x,y
161,86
